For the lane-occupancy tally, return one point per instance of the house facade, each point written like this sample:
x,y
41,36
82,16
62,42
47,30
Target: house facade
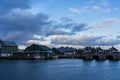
x,y
113,50
87,50
67,50
36,50
7,48
100,54
99,51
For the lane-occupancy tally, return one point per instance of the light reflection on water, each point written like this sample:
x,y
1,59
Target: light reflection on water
x,y
61,69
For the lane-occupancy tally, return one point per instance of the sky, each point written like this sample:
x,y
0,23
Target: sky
x,y
55,23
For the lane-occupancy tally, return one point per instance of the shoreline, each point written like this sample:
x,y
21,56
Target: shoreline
x,y
84,57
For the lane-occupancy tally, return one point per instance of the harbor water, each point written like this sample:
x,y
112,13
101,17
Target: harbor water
x,y
60,69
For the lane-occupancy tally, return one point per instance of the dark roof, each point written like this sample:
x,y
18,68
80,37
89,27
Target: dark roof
x,y
64,49
61,49
88,48
113,48
99,49
8,43
43,47
35,47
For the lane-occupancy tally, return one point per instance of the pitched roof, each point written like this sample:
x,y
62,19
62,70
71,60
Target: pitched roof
x,y
99,49
87,48
113,49
61,49
64,49
9,43
43,47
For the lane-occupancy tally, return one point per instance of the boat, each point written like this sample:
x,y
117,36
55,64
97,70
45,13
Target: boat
x,y
55,57
37,57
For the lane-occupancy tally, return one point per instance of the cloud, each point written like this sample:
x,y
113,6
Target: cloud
x,y
84,40
66,19
80,27
22,25
116,9
118,37
33,42
43,42
104,3
17,26
100,9
107,41
75,10
83,9
106,23
8,5
56,32
94,6
111,20
72,27
18,22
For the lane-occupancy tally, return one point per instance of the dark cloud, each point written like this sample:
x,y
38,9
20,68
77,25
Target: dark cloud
x,y
22,26
66,19
69,40
118,36
73,27
8,5
80,27
18,24
29,23
85,41
110,42
14,25
57,32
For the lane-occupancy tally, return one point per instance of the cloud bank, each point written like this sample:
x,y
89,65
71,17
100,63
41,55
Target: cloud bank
x,y
18,23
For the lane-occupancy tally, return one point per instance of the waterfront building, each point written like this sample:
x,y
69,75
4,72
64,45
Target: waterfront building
x,y
114,53
67,50
36,50
100,54
99,50
7,48
87,51
113,50
56,51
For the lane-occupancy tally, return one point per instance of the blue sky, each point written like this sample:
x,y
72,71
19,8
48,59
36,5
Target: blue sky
x,y
55,23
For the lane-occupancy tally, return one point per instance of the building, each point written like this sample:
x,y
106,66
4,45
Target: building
x,y
67,50
56,52
87,50
7,48
114,53
99,51
36,50
100,54
113,50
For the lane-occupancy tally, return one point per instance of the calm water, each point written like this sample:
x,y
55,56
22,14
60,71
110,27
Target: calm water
x,y
61,69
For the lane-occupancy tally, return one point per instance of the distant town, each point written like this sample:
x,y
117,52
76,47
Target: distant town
x,y
9,50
